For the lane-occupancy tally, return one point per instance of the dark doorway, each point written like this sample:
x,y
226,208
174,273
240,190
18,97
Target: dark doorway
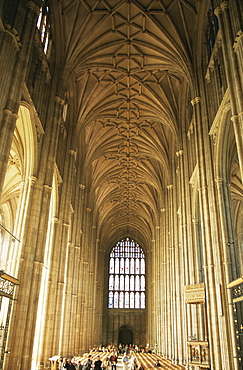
x,y
125,335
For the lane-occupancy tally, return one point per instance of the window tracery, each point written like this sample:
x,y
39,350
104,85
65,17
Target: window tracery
x,y
127,275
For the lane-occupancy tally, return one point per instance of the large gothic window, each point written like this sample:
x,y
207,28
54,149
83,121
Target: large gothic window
x,y
126,275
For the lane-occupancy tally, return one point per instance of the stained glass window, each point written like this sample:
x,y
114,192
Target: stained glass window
x,y
127,275
122,282
110,302
116,297
111,282
121,300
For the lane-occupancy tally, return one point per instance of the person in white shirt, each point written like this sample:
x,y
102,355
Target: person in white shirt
x,y
133,361
125,361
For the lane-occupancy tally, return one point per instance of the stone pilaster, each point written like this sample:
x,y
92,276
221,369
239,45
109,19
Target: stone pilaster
x,y
226,314
157,288
13,86
170,273
233,76
183,257
209,249
163,289
67,247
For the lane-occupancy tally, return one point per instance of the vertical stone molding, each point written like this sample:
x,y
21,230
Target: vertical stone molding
x,y
233,77
225,300
14,88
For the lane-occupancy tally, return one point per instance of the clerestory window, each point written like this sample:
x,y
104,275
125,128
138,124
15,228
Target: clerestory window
x,y
127,275
212,29
43,25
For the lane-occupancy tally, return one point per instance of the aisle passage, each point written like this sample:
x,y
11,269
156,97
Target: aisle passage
x,y
146,360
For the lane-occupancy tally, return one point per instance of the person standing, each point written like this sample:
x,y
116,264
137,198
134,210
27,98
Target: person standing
x,y
71,365
133,362
106,364
113,360
97,364
65,364
157,364
125,361
88,363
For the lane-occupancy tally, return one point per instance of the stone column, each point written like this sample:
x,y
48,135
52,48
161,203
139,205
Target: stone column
x,y
57,269
93,283
163,287
209,249
158,287
233,70
59,299
99,281
149,297
14,86
175,272
198,326
12,259
227,314
170,273
76,236
153,300
86,287
29,264
185,258
66,251
79,323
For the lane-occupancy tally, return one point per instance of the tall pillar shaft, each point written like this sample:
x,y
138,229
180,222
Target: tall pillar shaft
x,y
227,314
232,69
14,88
213,257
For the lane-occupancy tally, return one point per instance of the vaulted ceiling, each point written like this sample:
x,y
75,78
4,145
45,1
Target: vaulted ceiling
x,y
126,63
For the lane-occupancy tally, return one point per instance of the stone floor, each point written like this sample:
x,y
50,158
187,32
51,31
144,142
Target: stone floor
x,y
165,364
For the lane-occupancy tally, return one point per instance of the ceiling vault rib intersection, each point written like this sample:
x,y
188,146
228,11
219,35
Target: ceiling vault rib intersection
x,y
125,64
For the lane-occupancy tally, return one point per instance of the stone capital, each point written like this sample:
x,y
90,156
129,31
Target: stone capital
x,y
32,179
59,100
219,180
195,100
73,152
31,5
217,11
179,153
47,187
224,5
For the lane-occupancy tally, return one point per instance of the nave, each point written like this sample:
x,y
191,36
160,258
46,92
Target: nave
x,y
144,361
121,179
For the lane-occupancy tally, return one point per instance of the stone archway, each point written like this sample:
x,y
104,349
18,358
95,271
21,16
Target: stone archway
x,y
125,335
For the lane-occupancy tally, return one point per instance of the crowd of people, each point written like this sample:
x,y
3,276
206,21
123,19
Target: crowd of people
x,y
109,359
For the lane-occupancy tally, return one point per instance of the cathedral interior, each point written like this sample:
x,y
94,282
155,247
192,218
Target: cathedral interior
x,y
121,168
